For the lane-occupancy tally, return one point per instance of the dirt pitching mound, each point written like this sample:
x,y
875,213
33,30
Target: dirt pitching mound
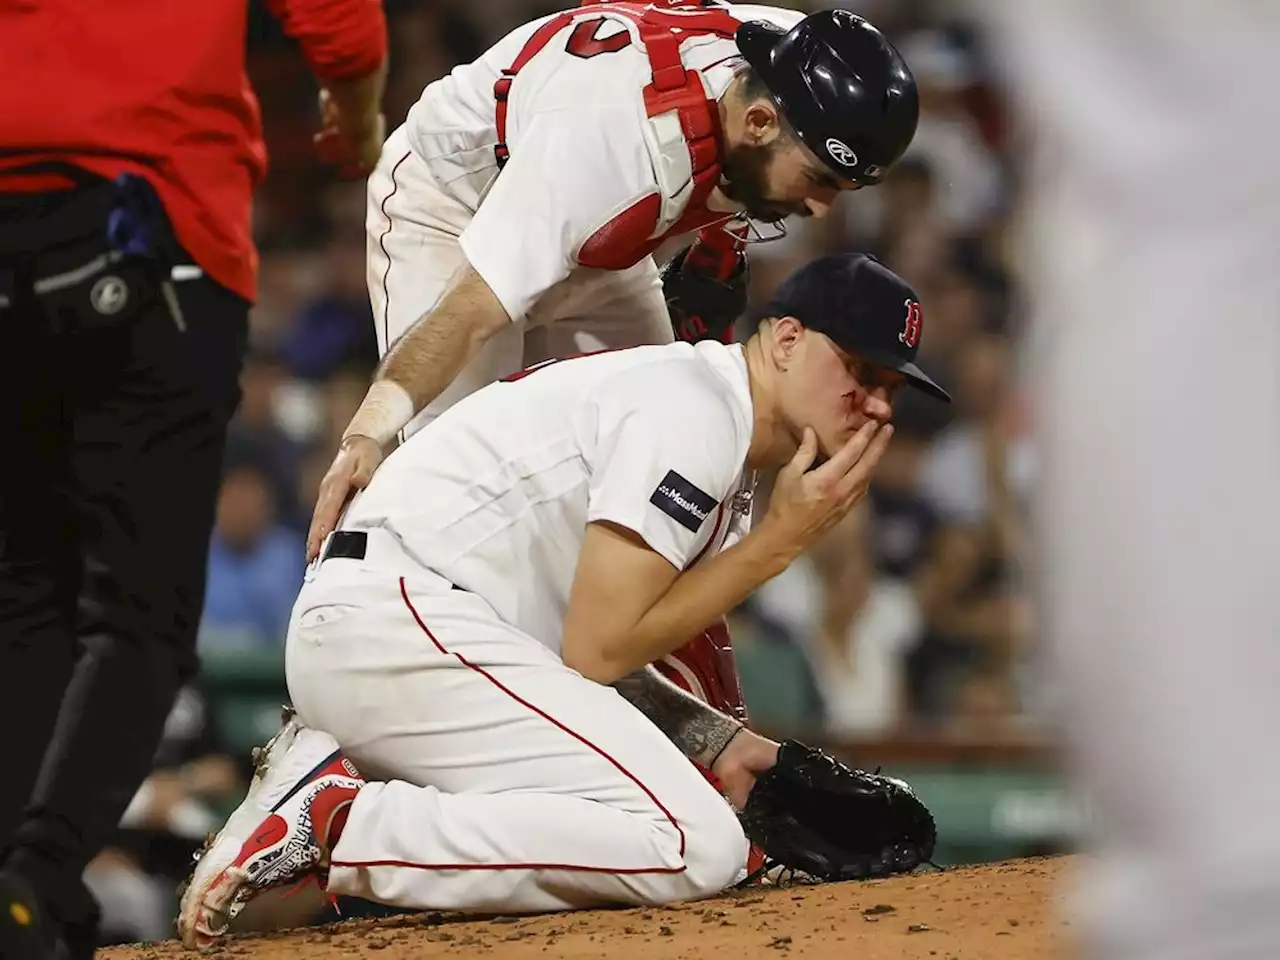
x,y
999,911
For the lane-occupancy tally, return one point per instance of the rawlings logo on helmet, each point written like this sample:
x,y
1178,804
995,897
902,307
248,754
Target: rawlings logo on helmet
x,y
841,152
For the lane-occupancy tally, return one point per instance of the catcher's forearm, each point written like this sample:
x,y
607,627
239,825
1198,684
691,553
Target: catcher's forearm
x,y
429,356
700,731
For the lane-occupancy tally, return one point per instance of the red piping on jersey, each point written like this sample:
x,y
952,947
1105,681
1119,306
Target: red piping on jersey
x,y
534,368
552,720
714,532
382,238
628,238
570,867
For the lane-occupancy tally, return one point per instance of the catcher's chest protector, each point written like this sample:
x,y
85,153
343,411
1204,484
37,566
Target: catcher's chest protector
x,y
705,667
682,118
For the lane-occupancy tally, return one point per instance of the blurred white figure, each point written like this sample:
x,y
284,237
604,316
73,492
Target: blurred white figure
x,y
1154,230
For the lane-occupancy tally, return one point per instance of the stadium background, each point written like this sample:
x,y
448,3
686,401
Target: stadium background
x,y
905,640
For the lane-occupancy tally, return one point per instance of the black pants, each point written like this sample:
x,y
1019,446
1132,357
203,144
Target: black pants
x,y
113,414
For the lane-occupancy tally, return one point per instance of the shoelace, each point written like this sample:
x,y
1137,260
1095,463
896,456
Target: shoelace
x,y
789,875
786,875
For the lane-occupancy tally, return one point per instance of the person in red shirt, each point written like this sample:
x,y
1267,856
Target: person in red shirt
x,y
130,147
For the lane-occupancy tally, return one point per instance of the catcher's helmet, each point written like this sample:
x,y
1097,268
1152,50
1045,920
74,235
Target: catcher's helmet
x,y
843,87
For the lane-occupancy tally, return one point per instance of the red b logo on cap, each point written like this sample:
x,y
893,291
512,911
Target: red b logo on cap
x,y
910,334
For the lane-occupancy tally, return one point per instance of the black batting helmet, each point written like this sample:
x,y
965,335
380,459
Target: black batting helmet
x,y
843,87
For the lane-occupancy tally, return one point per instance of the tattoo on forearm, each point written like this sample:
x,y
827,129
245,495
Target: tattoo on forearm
x,y
700,731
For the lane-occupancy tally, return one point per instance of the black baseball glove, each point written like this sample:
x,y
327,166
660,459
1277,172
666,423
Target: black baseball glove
x,y
812,813
702,305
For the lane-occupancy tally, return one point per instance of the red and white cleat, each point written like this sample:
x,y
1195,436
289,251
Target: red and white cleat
x,y
280,834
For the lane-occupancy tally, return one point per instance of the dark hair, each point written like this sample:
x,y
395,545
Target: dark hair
x,y
754,88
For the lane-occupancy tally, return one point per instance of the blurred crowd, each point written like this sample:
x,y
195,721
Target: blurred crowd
x,y
909,619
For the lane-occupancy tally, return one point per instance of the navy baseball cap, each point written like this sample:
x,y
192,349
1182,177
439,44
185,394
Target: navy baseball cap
x,y
864,307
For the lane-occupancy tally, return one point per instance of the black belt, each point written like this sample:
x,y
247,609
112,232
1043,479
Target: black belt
x,y
350,545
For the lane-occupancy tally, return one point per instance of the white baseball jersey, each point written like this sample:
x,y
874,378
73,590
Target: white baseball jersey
x,y
496,494
582,148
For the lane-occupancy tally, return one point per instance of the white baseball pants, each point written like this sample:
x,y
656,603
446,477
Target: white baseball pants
x,y
511,782
1154,229
412,229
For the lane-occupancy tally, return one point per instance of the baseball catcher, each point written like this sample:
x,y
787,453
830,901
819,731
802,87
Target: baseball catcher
x,y
512,219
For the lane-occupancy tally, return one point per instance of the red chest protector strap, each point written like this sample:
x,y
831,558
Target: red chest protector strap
x,y
662,25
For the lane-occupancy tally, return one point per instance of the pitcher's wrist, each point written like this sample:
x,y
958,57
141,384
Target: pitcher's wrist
x,y
775,546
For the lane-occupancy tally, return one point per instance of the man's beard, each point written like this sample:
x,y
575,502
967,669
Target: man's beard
x,y
746,169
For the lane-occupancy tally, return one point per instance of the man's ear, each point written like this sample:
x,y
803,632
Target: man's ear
x,y
787,332
761,124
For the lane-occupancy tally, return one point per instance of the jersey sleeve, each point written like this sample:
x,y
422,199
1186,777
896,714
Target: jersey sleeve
x,y
667,460
340,39
571,176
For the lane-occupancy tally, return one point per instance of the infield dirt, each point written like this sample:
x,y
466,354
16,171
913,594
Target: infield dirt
x,y
999,911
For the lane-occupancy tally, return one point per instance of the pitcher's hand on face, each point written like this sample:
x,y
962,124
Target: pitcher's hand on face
x,y
806,503
358,457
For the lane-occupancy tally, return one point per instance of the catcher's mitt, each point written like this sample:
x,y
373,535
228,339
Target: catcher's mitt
x,y
706,291
812,813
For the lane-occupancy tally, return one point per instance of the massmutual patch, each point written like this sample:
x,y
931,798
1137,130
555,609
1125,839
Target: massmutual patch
x,y
682,501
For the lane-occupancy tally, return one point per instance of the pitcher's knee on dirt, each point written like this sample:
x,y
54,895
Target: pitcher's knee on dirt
x,y
715,853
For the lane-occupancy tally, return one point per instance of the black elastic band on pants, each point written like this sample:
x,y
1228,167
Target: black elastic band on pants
x,y
351,545
348,544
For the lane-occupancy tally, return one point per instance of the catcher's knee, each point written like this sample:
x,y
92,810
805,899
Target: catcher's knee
x,y
715,851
